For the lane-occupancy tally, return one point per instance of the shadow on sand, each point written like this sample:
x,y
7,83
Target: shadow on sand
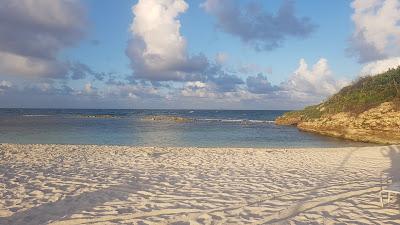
x,y
70,205
393,173
393,153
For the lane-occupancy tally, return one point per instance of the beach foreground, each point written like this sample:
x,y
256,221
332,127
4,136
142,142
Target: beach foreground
x,y
79,184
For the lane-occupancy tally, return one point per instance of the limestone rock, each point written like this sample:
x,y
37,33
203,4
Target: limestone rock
x,y
378,125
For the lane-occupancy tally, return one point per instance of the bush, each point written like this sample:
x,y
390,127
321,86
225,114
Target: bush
x,y
366,93
363,94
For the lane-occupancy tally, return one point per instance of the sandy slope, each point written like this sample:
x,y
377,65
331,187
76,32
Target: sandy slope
x,y
65,184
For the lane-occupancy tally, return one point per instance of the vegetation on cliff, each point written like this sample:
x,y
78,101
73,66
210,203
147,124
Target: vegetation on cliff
x,y
367,110
364,94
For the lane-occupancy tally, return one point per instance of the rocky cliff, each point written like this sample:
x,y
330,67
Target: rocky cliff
x,y
367,111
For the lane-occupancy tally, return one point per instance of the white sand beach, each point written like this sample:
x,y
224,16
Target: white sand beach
x,y
78,184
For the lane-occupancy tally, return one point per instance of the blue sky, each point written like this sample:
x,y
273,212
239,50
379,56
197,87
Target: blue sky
x,y
110,24
229,54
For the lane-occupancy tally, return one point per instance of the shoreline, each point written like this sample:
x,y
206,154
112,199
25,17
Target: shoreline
x,y
361,143
74,184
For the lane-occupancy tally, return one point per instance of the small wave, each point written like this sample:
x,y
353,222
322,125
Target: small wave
x,y
235,120
167,118
28,115
210,120
220,120
99,116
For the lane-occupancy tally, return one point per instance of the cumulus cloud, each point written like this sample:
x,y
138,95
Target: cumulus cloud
x,y
34,32
133,91
157,49
210,91
312,83
88,88
380,66
5,85
257,27
377,29
197,89
260,85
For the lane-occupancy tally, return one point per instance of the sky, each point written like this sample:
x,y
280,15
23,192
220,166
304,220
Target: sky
x,y
190,54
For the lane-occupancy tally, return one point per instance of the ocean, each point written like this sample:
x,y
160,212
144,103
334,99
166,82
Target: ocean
x,y
208,128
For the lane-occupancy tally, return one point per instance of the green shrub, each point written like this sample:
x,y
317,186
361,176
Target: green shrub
x,y
366,93
363,94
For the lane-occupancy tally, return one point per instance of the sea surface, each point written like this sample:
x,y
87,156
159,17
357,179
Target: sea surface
x,y
209,128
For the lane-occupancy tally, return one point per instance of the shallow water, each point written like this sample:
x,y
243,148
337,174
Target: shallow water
x,y
210,128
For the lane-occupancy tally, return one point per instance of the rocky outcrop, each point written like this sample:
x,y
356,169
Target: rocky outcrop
x,y
380,124
289,120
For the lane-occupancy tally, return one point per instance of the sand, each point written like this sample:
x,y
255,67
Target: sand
x,y
80,184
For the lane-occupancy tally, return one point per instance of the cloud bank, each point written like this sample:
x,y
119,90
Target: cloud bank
x,y
304,86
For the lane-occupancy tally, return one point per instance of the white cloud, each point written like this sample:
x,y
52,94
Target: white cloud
x,y
157,24
380,66
33,32
132,91
5,85
158,50
377,29
198,89
240,96
88,88
211,92
312,83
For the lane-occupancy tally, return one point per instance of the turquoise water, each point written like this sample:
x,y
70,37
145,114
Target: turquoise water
x,y
211,128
